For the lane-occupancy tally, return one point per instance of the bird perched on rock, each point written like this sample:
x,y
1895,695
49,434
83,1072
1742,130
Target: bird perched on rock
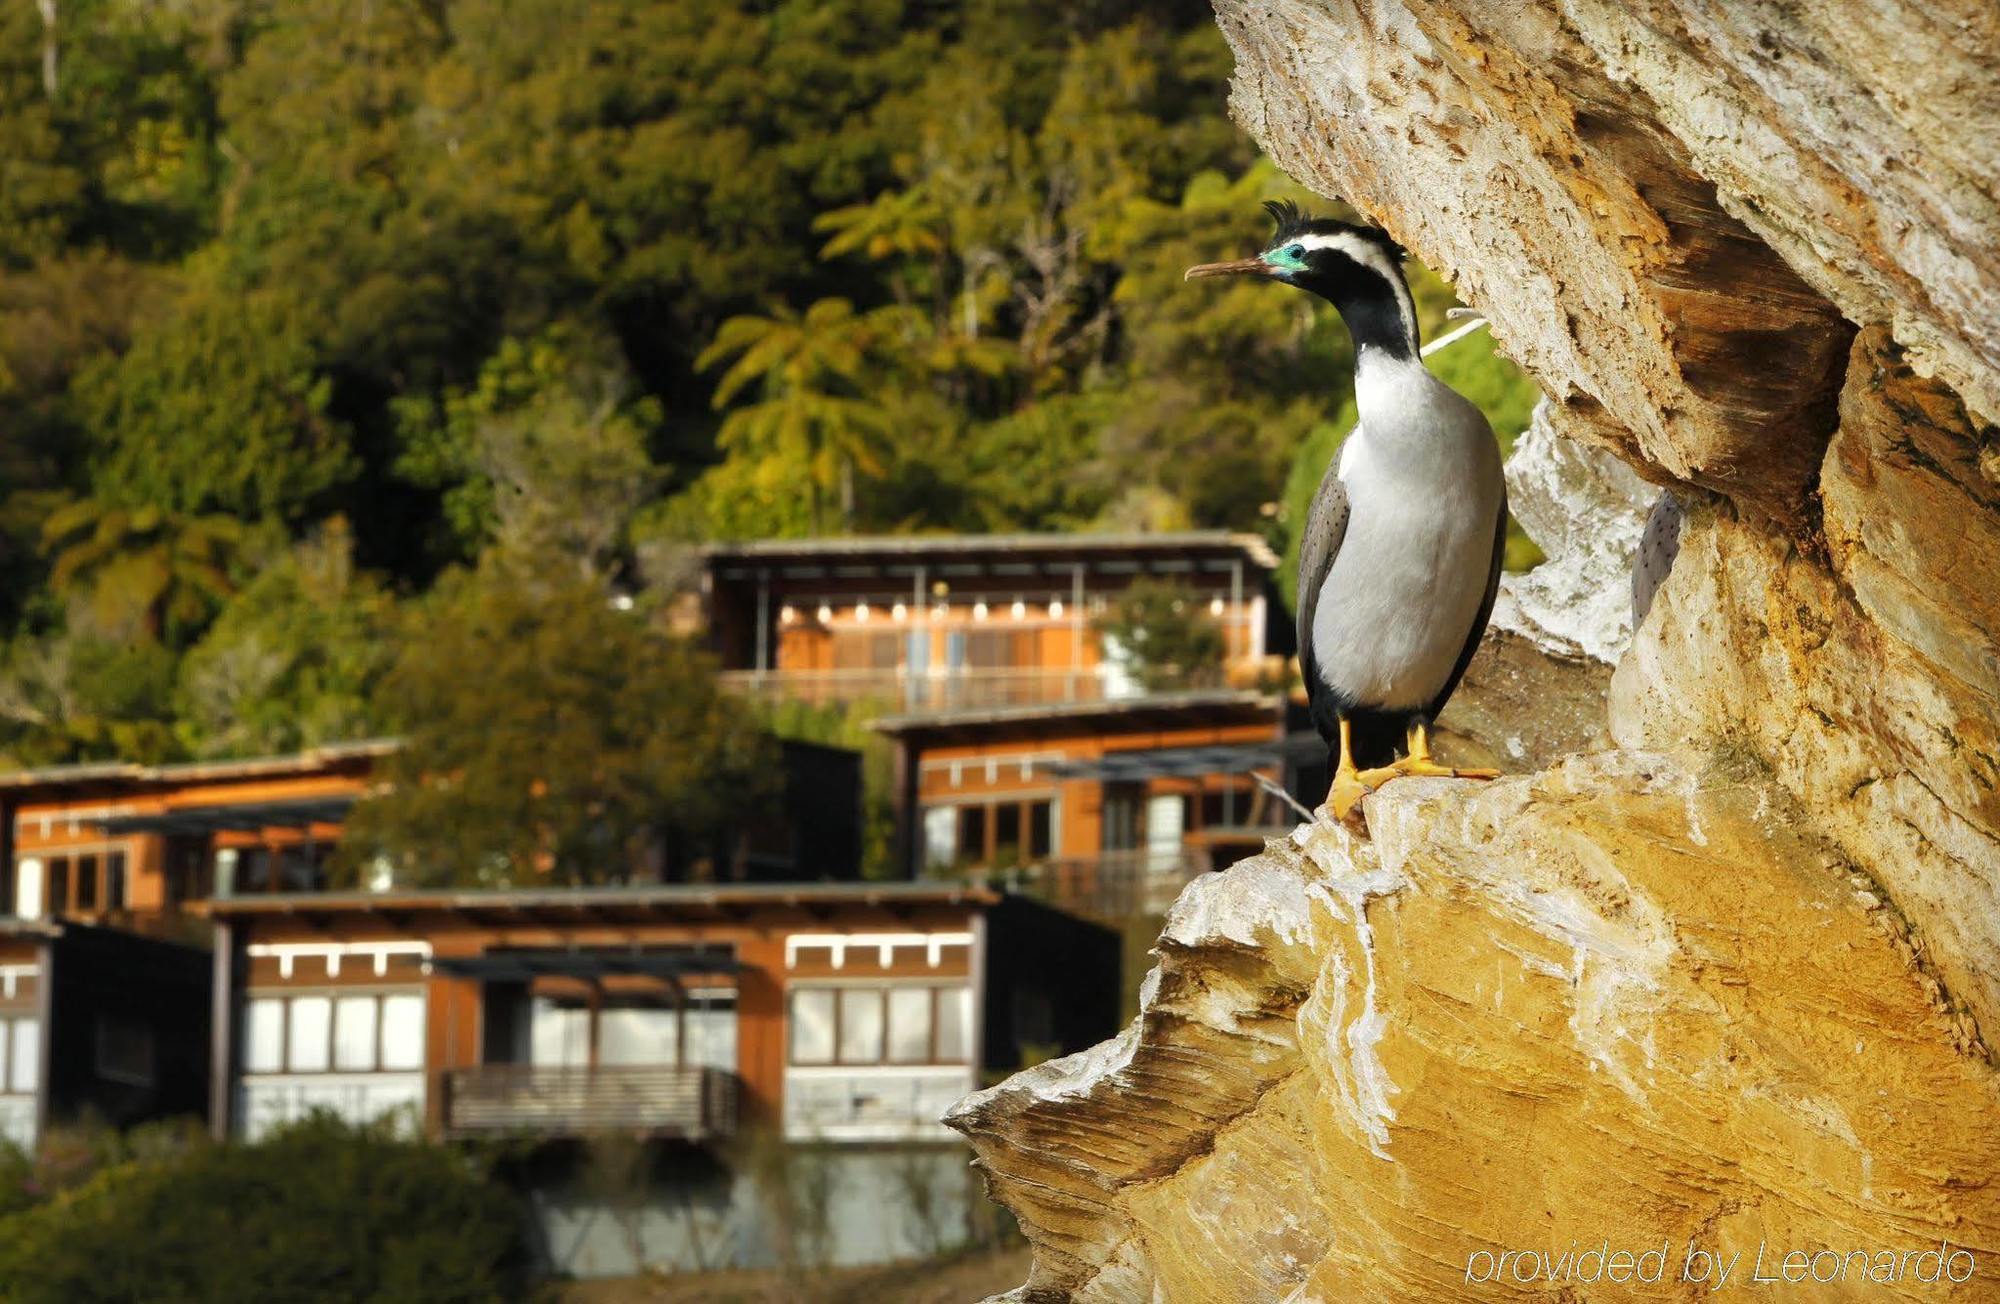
x,y
1400,558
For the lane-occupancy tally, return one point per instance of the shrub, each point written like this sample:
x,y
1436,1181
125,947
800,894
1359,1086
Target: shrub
x,y
319,1211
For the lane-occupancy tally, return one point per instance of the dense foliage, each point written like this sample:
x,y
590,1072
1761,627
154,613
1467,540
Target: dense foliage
x,y
305,306
321,1210
1159,636
591,746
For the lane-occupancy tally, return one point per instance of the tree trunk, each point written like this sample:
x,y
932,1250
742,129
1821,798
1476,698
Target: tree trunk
x,y
49,51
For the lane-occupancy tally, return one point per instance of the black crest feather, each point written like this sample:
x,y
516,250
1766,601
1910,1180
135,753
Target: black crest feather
x,y
1293,222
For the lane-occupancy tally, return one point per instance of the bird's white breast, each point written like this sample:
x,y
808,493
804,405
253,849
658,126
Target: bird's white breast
x,y
1424,492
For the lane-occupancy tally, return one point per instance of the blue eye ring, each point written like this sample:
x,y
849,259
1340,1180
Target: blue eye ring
x,y
1296,251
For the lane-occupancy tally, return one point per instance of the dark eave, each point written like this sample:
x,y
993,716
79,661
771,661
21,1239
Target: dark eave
x,y
946,554
587,906
244,816
526,964
1137,763
1234,705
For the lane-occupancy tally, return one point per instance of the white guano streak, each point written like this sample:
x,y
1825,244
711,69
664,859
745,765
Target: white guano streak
x,y
1352,1044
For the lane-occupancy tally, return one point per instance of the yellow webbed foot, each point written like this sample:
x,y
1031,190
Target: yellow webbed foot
x,y
1419,763
1343,798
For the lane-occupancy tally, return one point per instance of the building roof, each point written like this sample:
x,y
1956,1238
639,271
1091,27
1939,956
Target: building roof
x,y
196,771
1149,706
829,555
595,904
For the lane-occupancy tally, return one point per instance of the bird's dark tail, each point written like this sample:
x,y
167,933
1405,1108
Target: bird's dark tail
x,y
1377,736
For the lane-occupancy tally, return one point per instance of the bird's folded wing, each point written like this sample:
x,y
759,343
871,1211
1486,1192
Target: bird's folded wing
x,y
1326,526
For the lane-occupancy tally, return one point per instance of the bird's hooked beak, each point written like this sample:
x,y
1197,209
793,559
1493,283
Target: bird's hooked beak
x,y
1241,267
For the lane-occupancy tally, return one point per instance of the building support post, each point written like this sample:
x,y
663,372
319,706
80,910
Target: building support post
x,y
914,674
904,785
596,1015
9,810
1075,632
45,1005
762,661
1236,613
222,1032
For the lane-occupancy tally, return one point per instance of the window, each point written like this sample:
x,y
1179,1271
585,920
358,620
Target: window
x,y
403,1032
638,1035
954,1025
972,825
124,1051
909,1025
345,1032
866,650
711,1029
264,1036
28,888
860,1025
941,837
24,1055
59,885
891,1024
999,833
1007,832
812,1026
354,1032
306,1039
558,1035
1000,649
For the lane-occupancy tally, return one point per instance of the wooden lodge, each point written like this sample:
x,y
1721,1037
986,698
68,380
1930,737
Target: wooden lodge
x,y
834,1012
106,975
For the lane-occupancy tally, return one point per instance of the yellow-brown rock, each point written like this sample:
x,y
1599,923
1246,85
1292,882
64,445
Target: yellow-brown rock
x,y
1870,685
1625,1001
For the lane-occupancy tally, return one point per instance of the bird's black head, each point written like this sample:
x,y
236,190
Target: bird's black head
x,y
1356,268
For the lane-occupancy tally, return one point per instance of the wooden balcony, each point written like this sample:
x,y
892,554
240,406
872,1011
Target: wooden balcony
x,y
694,1104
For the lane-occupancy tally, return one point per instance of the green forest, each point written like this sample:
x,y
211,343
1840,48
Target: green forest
x,y
339,338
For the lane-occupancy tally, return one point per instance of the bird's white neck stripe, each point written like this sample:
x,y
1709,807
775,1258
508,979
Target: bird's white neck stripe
x,y
1375,259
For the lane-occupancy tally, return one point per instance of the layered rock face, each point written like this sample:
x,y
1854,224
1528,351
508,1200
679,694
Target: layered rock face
x,y
1730,978
1623,1003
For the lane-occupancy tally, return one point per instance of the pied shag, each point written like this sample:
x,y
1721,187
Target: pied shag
x,y
1400,557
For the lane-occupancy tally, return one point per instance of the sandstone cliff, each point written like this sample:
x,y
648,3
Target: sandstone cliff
x,y
1731,978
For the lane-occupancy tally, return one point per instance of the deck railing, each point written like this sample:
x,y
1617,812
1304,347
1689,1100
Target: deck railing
x,y
1112,884
694,1103
939,690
